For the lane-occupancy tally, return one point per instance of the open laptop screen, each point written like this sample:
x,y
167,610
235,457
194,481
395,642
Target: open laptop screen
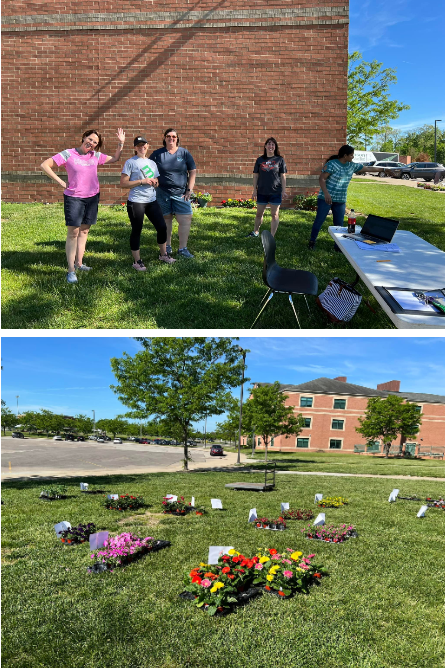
x,y
382,228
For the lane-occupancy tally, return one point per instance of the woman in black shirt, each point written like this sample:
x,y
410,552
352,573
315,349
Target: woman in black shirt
x,y
269,185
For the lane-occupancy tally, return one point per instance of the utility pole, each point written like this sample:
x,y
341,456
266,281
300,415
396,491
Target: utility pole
x,y
94,419
244,353
205,432
439,120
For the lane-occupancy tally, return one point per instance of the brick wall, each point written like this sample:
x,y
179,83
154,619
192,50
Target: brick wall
x,y
226,77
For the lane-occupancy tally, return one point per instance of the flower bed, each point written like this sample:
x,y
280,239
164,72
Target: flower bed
x,y
122,550
178,507
125,502
303,514
332,502
435,503
239,203
79,534
54,492
430,186
305,202
236,578
329,533
273,525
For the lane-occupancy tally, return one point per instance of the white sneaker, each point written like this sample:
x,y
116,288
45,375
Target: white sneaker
x,y
82,267
71,277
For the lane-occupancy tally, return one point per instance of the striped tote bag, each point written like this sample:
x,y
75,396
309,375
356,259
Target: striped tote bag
x,y
339,301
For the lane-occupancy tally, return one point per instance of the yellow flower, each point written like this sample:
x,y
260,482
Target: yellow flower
x,y
264,559
296,555
218,585
268,577
232,552
214,590
300,569
203,565
274,569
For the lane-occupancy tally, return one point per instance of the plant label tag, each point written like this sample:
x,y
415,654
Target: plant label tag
x,y
284,506
192,503
393,495
318,497
215,551
320,520
97,540
422,511
216,504
112,496
84,486
61,526
252,515
171,498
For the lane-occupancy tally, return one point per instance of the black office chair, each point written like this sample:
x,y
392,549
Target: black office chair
x,y
277,279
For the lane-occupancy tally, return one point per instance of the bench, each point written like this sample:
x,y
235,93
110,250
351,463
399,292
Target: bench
x,y
436,454
368,449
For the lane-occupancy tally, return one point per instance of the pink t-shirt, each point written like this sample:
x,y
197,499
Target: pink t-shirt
x,y
81,170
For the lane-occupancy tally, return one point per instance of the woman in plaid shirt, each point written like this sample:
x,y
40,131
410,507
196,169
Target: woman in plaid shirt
x,y
334,181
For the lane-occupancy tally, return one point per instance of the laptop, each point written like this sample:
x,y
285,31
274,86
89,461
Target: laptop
x,y
377,229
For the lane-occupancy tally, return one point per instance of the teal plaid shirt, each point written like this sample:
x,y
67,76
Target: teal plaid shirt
x,y
339,177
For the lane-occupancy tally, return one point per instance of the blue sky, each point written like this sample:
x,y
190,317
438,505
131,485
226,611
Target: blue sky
x,y
73,375
406,35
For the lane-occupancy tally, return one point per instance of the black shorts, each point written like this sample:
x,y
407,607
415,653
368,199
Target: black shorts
x,y
80,210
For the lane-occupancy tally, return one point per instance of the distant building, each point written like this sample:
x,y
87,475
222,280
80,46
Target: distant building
x,y
331,408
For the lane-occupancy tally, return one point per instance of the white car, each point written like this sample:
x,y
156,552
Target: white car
x,y
57,438
117,440
100,440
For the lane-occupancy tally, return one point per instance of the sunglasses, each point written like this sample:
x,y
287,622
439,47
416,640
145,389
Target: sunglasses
x,y
171,136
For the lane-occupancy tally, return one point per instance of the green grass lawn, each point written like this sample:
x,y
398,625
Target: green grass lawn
x,y
381,606
335,463
220,288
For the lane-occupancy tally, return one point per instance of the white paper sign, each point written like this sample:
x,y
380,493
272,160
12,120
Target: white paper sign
x,y
252,515
61,526
193,502
112,496
422,511
320,520
216,503
171,497
84,485
284,506
98,539
215,551
318,497
393,495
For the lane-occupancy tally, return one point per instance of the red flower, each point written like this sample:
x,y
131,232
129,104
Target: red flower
x,y
231,577
281,593
236,560
226,569
273,551
317,575
197,579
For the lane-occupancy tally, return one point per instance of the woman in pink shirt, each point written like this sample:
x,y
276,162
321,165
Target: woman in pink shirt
x,y
81,194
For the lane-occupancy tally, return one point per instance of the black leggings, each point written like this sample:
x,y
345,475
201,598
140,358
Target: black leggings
x,y
152,210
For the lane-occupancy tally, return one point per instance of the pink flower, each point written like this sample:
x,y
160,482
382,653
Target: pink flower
x,y
304,566
276,556
289,549
206,583
286,561
309,556
287,574
259,567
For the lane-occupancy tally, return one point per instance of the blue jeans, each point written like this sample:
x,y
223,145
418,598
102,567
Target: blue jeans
x,y
338,213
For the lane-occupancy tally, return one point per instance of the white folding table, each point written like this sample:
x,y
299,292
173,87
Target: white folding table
x,y
419,266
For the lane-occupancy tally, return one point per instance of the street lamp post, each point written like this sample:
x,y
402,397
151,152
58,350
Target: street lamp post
x,y
205,432
439,120
244,353
94,419
17,397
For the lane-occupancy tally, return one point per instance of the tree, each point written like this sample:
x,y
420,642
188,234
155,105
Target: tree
x,y
229,428
267,415
178,379
114,426
84,424
9,419
48,421
421,141
386,418
369,106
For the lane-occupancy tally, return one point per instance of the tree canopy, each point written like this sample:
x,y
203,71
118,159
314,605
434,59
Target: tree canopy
x,y
266,414
387,418
178,379
369,103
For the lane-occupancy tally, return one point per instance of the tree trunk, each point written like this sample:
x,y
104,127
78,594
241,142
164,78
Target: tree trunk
x,y
266,443
186,457
386,447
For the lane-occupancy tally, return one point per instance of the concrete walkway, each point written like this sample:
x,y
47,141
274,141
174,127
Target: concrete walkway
x,y
410,183
361,475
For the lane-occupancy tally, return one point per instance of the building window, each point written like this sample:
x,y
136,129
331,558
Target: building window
x,y
306,402
337,424
302,442
272,442
340,403
307,423
334,444
419,409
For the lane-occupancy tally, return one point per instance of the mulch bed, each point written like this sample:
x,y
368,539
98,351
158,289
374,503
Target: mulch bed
x,y
353,534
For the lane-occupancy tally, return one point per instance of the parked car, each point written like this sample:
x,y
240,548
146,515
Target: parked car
x,y
17,434
57,438
100,439
117,440
421,170
216,450
385,168
144,441
81,438
70,437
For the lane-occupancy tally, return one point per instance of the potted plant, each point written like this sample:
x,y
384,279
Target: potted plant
x,y
302,514
123,549
333,502
329,533
125,502
176,507
202,198
79,534
286,573
54,492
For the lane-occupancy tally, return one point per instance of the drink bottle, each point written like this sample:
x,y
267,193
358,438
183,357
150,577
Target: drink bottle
x,y
351,222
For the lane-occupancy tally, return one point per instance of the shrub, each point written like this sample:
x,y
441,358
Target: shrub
x,y
422,157
241,203
305,202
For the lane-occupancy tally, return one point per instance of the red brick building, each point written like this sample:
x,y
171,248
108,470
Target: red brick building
x,y
226,76
331,408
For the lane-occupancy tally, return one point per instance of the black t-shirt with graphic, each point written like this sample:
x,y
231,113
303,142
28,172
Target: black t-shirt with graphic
x,y
269,170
